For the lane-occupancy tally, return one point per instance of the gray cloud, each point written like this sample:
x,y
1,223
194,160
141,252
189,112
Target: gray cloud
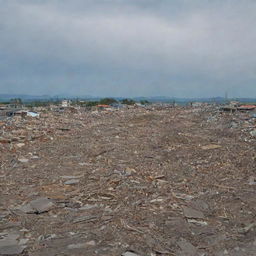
x,y
114,47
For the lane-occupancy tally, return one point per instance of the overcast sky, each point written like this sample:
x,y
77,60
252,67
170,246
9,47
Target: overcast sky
x,y
176,48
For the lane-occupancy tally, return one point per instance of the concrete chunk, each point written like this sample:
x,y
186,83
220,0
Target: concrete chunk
x,y
192,213
71,182
39,205
187,249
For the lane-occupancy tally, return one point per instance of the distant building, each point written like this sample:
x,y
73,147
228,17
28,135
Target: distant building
x,y
103,107
66,103
197,104
3,106
247,107
234,103
117,105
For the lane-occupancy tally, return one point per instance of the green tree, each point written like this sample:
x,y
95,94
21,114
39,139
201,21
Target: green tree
x,y
91,103
128,102
144,102
107,101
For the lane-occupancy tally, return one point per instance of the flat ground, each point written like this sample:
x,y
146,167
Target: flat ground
x,y
152,182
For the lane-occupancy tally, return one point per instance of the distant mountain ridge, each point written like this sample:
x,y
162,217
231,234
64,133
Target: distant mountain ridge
x,y
164,99
22,96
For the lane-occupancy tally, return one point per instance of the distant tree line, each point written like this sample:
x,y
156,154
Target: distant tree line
x,y
88,103
109,101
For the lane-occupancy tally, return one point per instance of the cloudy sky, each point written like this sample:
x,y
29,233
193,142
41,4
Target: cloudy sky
x,y
176,48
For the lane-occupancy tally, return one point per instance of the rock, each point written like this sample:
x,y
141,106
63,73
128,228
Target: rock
x,y
20,145
71,182
233,125
34,157
71,177
176,225
199,205
77,246
91,243
37,206
192,213
88,207
253,133
23,160
187,249
83,164
23,241
183,196
9,245
11,250
252,180
47,237
198,222
27,208
129,253
8,239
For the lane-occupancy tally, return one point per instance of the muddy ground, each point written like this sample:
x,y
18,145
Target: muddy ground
x,y
133,182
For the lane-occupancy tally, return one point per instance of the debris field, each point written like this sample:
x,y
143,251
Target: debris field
x,y
133,182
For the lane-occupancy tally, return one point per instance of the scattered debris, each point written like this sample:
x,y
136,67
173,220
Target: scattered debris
x,y
85,219
32,114
247,228
212,146
130,180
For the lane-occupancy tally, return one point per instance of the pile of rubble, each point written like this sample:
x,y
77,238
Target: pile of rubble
x,y
19,131
133,182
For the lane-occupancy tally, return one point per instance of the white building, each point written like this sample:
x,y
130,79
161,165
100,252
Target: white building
x,y
66,103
